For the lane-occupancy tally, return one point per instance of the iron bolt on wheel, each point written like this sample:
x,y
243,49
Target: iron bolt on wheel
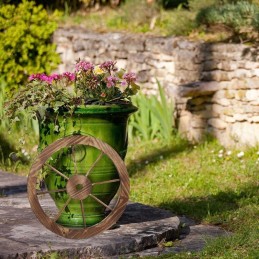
x,y
78,188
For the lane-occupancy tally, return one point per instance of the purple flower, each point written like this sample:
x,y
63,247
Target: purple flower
x,y
84,66
41,77
109,66
32,77
55,76
70,76
111,81
130,77
35,77
123,83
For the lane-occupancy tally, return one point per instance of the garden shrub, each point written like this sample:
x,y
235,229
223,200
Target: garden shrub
x,y
25,46
240,17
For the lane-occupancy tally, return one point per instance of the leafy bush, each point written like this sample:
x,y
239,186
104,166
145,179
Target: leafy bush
x,y
25,45
235,16
154,119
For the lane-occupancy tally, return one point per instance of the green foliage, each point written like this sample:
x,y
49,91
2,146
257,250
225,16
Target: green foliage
x,y
196,5
177,22
3,122
134,14
154,119
11,145
241,17
25,46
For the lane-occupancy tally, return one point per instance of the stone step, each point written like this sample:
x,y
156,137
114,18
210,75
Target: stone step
x,y
141,231
140,227
11,184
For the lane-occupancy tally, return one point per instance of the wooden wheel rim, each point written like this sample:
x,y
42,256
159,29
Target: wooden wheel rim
x,y
107,222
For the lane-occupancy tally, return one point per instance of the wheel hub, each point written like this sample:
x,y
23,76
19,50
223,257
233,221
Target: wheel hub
x,y
79,187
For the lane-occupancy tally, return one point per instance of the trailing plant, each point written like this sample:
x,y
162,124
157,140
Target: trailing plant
x,y
25,46
154,119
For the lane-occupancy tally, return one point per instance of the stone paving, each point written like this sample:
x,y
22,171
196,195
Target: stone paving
x,y
141,231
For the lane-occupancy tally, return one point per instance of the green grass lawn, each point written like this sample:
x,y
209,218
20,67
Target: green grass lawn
x,y
207,183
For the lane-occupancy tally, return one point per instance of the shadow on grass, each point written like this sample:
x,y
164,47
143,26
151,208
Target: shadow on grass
x,y
216,205
157,156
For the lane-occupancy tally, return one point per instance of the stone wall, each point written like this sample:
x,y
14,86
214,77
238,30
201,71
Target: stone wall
x,y
225,102
215,86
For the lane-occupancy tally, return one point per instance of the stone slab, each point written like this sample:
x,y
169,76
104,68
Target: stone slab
x,y
12,184
140,227
192,239
141,231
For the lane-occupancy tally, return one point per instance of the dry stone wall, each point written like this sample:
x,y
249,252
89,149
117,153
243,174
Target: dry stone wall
x,y
225,102
215,86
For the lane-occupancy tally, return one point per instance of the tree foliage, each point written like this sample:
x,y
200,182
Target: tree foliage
x,y
25,45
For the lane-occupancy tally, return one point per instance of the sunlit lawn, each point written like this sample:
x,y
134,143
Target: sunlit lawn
x,y
207,183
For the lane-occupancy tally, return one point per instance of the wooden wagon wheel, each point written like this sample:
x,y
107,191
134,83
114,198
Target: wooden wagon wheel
x,y
79,194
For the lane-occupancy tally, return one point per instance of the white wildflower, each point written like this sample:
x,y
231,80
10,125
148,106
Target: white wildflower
x,y
240,154
221,151
229,152
220,155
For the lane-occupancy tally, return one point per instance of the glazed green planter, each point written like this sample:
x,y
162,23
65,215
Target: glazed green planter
x,y
107,123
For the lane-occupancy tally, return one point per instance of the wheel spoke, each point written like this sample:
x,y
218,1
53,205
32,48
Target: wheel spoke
x,y
83,212
51,191
55,170
94,164
63,208
74,159
98,200
108,181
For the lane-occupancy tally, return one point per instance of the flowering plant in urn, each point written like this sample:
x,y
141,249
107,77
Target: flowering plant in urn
x,y
83,117
89,84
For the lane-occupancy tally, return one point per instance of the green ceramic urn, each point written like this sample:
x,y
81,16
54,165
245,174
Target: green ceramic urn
x,y
107,123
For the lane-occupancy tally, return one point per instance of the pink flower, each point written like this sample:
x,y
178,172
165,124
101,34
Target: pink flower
x,y
111,81
130,77
109,66
41,77
55,76
84,65
32,77
70,76
124,83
